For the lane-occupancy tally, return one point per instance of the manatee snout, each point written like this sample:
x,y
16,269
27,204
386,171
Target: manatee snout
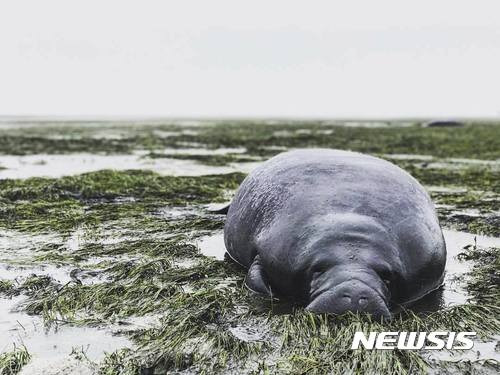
x,y
352,295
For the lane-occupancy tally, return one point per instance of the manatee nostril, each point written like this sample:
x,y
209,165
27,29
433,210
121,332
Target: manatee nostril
x,y
362,301
346,298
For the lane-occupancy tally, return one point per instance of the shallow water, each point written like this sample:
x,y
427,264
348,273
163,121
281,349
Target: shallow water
x,y
367,124
482,350
52,345
61,274
58,165
212,245
16,246
431,162
248,333
408,157
455,268
54,166
204,151
61,366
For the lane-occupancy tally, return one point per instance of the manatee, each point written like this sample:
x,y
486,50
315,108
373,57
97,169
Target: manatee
x,y
336,231
443,124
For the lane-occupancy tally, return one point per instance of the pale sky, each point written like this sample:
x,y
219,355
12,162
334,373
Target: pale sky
x,y
189,58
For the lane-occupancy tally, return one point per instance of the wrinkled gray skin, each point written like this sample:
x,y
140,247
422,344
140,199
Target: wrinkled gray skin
x,y
337,231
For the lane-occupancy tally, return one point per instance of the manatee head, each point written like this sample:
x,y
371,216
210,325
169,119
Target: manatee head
x,y
343,289
353,265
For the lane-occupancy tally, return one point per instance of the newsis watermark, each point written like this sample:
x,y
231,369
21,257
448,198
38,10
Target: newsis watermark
x,y
413,340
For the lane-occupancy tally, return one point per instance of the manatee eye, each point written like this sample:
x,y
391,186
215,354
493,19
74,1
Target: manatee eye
x,y
386,275
319,269
317,272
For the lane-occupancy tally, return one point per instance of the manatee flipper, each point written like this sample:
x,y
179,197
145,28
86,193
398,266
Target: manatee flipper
x,y
256,279
221,211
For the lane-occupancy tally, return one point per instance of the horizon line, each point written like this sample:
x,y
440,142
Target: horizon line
x,y
141,117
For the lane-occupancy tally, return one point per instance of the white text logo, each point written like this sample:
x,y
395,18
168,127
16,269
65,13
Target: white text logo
x,y
413,340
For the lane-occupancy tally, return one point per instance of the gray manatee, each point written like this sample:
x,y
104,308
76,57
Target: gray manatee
x,y
336,231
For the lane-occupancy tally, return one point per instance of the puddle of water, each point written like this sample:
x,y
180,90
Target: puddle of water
x,y
247,333
51,346
482,350
20,272
474,212
246,167
62,165
185,263
282,148
325,132
204,151
283,133
443,165
365,124
444,206
291,133
474,161
60,366
446,189
15,246
17,250
106,134
464,163
134,323
212,245
73,164
303,131
448,160
408,157
453,291
450,163
177,212
165,133
60,274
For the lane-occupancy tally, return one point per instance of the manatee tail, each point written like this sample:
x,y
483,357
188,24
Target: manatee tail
x,y
221,211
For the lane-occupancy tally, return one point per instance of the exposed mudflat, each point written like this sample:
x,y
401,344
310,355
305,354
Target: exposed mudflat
x,y
111,262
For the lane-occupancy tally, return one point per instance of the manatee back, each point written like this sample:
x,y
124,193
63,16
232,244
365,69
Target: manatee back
x,y
281,195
